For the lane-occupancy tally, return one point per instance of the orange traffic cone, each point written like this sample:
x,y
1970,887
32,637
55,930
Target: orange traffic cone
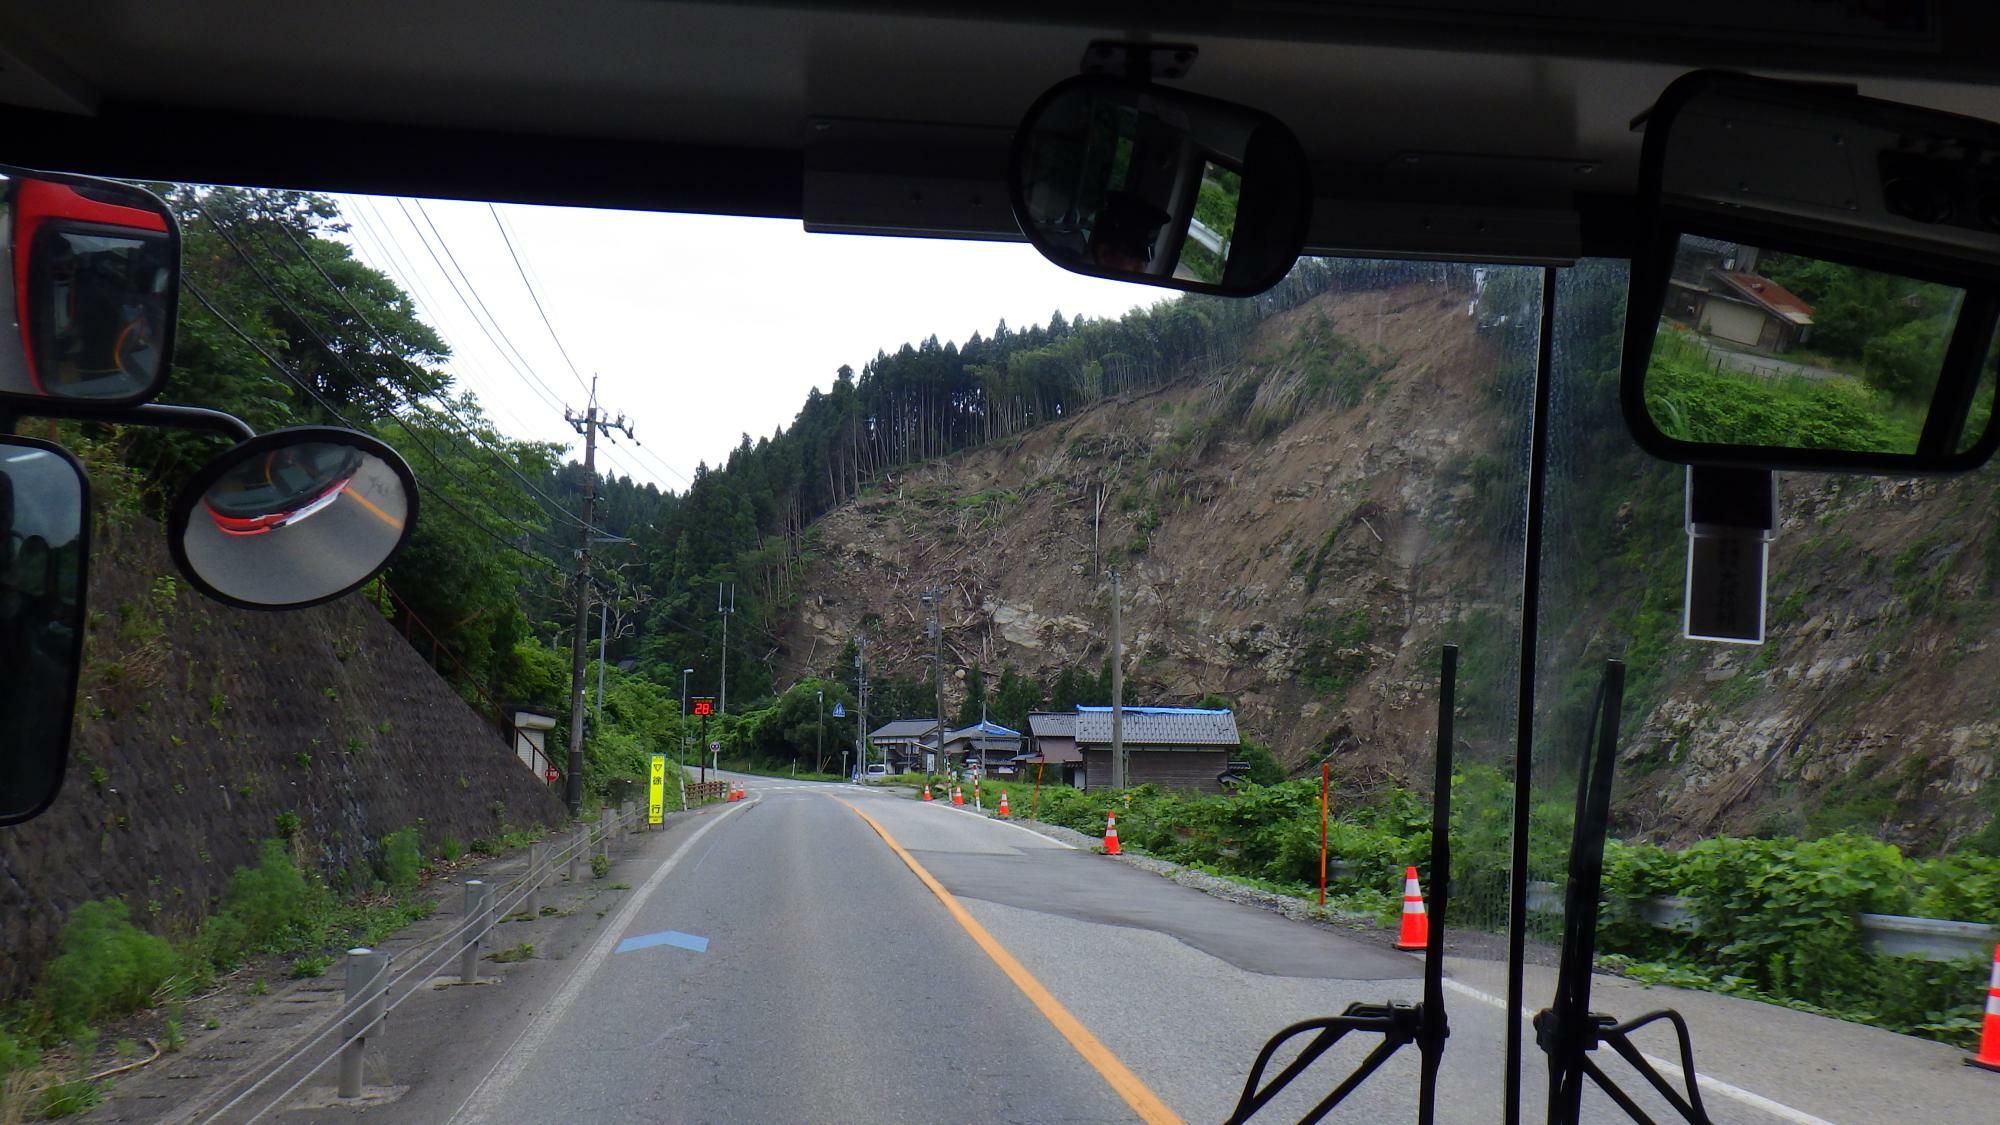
x,y
1003,804
1988,1057
927,790
1416,924
1110,833
957,795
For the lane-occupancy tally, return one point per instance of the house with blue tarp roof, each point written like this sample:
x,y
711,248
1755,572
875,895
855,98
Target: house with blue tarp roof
x,y
985,744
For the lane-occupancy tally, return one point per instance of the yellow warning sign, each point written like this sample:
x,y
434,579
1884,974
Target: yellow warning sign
x,y
656,790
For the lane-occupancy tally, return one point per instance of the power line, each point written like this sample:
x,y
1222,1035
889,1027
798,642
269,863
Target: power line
x,y
381,245
530,286
278,366
511,360
647,454
509,352
339,359
436,391
524,367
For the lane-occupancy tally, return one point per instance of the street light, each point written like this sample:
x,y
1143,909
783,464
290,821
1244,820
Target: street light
x,y
685,673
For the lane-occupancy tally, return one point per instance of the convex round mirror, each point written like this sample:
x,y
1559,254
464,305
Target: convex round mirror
x,y
44,537
293,517
89,288
1143,183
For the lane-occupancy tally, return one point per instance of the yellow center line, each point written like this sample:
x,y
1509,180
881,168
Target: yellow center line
x,y
385,517
1143,1101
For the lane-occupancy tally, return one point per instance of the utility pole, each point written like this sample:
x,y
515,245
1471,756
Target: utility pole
x,y
932,597
819,740
860,707
681,760
603,644
722,705
1117,691
590,423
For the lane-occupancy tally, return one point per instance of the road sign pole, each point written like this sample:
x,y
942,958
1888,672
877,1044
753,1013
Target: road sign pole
x,y
1325,781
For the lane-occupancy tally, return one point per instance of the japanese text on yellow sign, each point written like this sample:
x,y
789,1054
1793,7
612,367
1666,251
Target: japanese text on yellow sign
x,y
656,790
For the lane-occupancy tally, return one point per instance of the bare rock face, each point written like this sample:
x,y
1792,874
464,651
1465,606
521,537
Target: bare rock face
x,y
1306,546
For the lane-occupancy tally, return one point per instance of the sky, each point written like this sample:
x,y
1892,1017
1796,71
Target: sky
x,y
698,328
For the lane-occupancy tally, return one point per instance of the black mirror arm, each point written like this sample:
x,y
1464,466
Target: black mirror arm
x,y
147,414
1951,401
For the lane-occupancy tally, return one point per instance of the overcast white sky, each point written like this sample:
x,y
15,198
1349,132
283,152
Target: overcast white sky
x,y
700,328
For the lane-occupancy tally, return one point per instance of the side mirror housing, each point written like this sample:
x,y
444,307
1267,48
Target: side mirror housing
x,y
44,549
90,287
1819,284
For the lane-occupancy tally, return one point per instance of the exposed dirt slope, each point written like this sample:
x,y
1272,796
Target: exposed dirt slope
x,y
1301,527
1279,513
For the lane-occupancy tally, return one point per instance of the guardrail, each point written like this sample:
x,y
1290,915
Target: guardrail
x,y
1931,939
369,982
707,790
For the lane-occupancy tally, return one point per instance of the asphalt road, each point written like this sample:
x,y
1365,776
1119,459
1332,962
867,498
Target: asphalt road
x,y
778,960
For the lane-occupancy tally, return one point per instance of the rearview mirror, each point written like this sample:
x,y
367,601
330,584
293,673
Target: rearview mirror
x,y
44,541
1820,282
1136,182
92,273
293,518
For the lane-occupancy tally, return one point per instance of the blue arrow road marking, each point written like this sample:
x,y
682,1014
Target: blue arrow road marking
x,y
674,938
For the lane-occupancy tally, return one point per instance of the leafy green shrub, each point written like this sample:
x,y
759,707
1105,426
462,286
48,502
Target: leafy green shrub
x,y
402,858
450,850
600,866
107,966
1784,914
16,1053
1696,402
1961,888
265,906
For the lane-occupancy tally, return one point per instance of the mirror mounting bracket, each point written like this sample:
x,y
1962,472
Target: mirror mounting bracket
x,y
1138,62
160,414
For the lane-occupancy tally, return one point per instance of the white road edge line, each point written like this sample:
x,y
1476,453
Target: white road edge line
x,y
485,1101
1010,824
1712,1085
